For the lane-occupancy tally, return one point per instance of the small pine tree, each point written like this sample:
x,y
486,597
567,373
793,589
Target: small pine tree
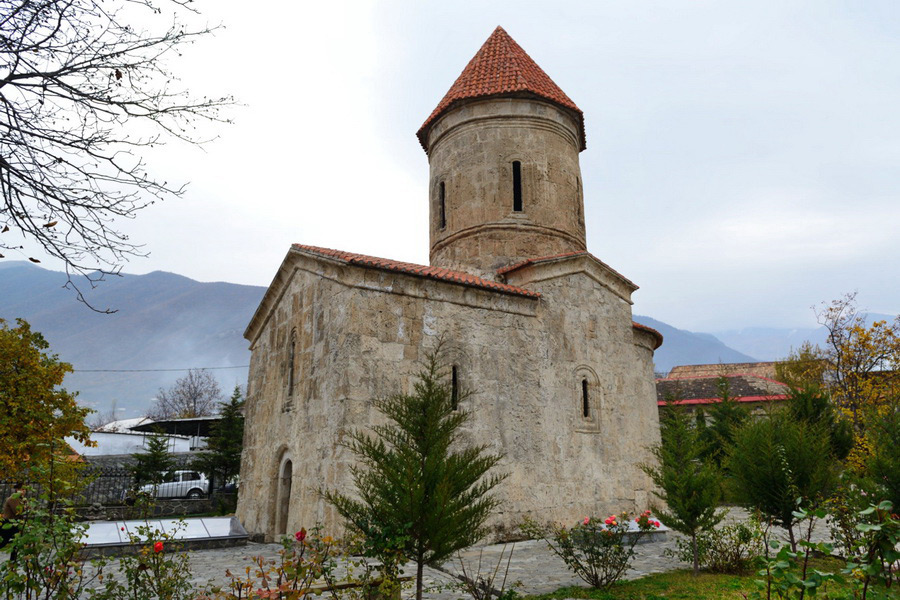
x,y
777,461
725,418
813,406
222,460
687,483
155,465
416,491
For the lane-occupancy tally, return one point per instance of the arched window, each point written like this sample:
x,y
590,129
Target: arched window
x,y
454,388
585,400
517,186
442,205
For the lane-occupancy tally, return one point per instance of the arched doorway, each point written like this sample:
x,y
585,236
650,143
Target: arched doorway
x,y
284,497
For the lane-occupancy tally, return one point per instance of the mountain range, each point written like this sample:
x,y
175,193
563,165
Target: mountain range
x,y
166,323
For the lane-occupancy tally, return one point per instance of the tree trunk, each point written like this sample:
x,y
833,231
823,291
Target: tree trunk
x,y
696,557
793,540
420,570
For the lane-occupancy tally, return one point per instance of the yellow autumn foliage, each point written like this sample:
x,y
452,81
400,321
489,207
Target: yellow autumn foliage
x,y
36,413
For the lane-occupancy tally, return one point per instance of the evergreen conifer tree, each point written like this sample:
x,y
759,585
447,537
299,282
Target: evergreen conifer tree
x,y
419,490
813,406
222,460
155,465
725,418
779,460
686,482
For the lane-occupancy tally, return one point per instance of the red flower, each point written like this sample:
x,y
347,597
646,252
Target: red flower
x,y
158,547
300,535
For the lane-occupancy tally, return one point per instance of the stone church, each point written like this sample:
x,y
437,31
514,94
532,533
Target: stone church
x,y
539,329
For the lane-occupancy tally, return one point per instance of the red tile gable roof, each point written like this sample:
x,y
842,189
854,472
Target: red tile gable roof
x,y
501,67
437,273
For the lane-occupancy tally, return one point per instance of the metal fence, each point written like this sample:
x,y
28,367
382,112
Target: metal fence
x,y
97,485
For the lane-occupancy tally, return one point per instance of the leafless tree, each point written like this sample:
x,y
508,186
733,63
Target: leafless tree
x,y
82,91
99,419
195,395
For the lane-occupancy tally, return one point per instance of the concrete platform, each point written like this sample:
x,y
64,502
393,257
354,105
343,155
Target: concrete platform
x,y
113,538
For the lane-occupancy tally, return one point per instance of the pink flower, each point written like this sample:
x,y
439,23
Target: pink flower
x,y
656,523
300,535
587,520
158,547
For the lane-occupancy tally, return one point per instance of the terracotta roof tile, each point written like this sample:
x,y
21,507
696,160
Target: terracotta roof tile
x,y
705,390
428,272
659,336
501,67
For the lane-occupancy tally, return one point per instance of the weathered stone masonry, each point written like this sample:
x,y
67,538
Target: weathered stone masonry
x,y
537,328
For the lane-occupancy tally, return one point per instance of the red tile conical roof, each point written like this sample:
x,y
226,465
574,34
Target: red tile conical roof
x,y
501,68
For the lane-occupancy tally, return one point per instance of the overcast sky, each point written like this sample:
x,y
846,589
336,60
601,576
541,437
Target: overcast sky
x,y
742,162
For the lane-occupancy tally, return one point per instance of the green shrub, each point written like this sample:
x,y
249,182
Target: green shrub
x,y
777,460
599,552
728,549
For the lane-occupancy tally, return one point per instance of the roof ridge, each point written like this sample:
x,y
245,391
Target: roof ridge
x,y
427,271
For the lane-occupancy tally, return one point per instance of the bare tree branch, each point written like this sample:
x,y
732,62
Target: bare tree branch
x,y
194,395
82,92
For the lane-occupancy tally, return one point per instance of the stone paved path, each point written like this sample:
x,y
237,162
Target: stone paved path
x,y
533,565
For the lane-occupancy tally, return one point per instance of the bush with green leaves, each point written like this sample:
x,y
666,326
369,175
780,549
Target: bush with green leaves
x,y
870,570
730,548
48,547
598,551
777,460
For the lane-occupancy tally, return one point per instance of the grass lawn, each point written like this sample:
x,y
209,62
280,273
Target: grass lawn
x,y
682,585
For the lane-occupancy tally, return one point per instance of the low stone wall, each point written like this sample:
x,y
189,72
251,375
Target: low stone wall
x,y
221,503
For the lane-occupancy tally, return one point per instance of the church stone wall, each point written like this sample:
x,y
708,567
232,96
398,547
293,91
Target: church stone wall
x,y
471,150
360,333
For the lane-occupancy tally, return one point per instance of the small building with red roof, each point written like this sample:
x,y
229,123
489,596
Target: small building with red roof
x,y
534,325
759,393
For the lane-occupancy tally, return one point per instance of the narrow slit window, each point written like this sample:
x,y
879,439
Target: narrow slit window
x,y
585,400
291,358
517,186
442,205
454,388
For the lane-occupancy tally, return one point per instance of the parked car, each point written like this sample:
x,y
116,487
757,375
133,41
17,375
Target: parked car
x,y
182,484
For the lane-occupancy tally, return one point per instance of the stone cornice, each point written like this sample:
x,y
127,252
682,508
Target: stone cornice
x,y
552,267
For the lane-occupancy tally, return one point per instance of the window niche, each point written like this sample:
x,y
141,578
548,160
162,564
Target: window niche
x,y
588,400
442,205
517,186
454,387
291,372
